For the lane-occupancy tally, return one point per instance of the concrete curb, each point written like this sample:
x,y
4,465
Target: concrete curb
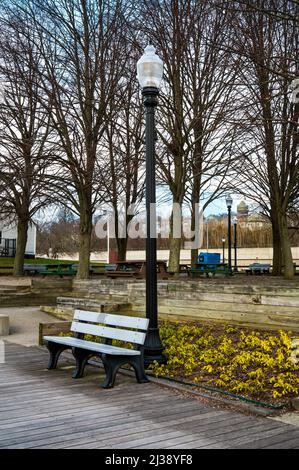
x,y
295,403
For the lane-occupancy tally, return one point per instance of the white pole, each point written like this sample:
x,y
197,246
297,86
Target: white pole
x,y
207,235
108,241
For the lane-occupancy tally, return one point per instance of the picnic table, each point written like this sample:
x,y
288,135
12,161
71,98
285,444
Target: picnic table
x,y
65,269
213,269
185,268
53,269
135,269
258,268
209,264
32,269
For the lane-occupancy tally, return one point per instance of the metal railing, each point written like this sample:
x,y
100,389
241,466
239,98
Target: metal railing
x,y
8,247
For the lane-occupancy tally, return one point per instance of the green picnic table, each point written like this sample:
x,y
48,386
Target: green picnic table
x,y
66,269
213,269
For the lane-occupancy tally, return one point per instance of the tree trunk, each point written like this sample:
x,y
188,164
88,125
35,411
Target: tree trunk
x,y
174,251
122,248
174,255
195,199
194,256
277,255
21,246
85,240
277,251
194,251
286,248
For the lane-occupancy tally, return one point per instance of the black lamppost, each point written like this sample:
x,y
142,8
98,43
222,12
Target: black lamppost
x,y
223,250
235,222
229,203
149,74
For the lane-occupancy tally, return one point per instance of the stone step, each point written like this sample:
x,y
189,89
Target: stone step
x,y
13,289
26,299
8,292
62,313
95,304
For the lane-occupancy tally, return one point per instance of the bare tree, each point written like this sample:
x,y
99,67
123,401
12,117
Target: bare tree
x,y
124,142
82,46
266,48
24,131
209,98
193,119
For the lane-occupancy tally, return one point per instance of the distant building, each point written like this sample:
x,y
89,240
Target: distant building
x,y
242,210
257,220
252,221
9,236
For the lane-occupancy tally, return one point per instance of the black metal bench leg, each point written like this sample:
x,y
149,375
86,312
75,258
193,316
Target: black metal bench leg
x,y
55,350
81,356
111,365
138,366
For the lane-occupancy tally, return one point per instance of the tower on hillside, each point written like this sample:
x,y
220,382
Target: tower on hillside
x,y
242,210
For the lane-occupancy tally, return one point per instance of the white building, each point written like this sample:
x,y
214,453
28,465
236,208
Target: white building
x,y
8,239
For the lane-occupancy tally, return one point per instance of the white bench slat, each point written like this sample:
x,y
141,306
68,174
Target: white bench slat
x,y
113,320
89,345
111,333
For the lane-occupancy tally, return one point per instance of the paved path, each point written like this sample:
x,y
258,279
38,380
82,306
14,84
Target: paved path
x,y
24,324
48,409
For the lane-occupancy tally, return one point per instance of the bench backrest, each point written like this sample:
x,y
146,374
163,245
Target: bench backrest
x,y
260,265
88,323
110,267
34,267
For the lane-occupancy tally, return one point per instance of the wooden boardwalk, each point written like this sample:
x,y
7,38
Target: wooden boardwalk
x,y
48,409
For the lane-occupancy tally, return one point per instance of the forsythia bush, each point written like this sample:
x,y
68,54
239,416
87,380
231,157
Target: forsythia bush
x,y
253,363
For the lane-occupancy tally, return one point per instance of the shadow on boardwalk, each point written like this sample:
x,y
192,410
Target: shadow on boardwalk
x,y
43,409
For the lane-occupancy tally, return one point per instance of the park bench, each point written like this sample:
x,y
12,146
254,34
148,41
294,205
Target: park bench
x,y
106,327
136,269
34,269
6,268
122,269
258,268
110,267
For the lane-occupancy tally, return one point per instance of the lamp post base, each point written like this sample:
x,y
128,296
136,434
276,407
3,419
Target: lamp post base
x,y
153,348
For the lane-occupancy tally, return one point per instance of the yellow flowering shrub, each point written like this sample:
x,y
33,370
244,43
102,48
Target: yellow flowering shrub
x,y
256,364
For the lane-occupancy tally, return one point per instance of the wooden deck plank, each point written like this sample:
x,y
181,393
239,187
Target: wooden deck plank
x,y
48,409
103,420
113,413
191,435
130,430
288,444
269,439
225,436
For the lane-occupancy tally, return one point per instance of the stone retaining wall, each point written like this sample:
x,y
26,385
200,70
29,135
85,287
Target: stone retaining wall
x,y
266,306
40,291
